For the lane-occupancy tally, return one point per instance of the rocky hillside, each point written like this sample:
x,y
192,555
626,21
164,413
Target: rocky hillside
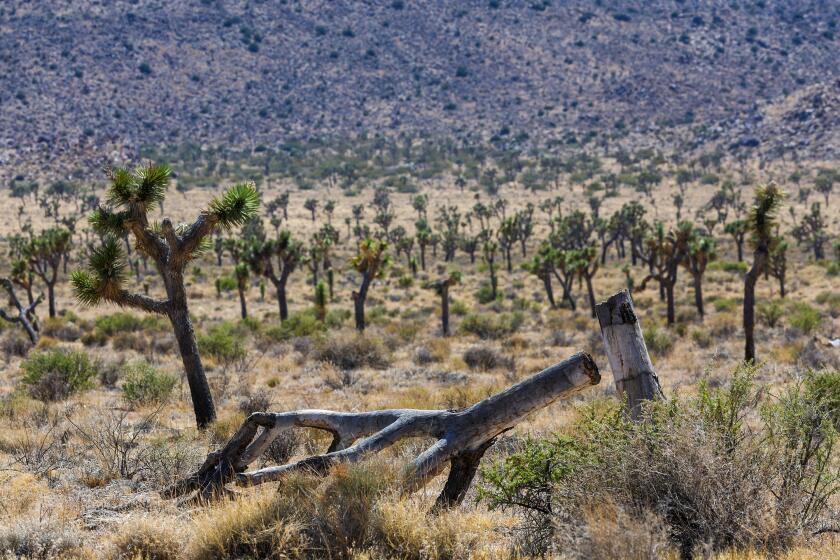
x,y
82,78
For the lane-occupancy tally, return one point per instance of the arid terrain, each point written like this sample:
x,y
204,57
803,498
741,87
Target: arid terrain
x,y
305,280
83,471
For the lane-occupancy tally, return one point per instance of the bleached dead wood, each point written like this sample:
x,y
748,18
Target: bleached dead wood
x,y
461,437
632,369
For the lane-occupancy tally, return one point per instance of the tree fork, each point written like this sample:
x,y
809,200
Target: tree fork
x,y
461,437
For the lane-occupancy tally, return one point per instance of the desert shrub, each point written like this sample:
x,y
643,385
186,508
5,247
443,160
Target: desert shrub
x,y
306,518
832,300
224,343
143,384
486,358
298,324
725,304
658,340
61,328
14,342
729,266
804,318
109,325
432,351
487,326
352,352
714,481
146,538
458,307
701,338
55,374
258,401
485,295
40,540
770,312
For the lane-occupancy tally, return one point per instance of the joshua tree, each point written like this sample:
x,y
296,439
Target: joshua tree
x,y
824,183
777,262
542,266
329,208
469,245
812,231
130,196
241,272
761,222
442,286
585,263
738,230
370,261
321,301
358,214
289,254
45,253
25,315
424,237
420,204
524,220
507,235
667,252
701,251
488,255
311,204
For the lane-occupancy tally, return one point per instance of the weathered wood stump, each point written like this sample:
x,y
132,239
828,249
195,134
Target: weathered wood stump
x,y
461,437
635,378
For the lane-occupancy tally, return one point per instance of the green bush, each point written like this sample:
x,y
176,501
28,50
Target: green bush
x,y
770,312
729,266
658,340
55,374
458,308
225,343
120,322
143,384
713,480
725,304
297,325
487,326
485,295
804,318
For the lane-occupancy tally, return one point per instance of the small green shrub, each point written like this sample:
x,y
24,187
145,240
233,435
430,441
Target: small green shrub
x,y
725,304
458,308
486,358
729,266
804,318
770,312
485,295
120,322
55,374
298,324
658,340
486,326
225,343
143,384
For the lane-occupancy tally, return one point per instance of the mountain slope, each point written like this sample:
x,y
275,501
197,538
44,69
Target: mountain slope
x,y
84,77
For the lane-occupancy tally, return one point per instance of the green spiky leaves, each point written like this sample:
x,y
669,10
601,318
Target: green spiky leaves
x,y
236,206
104,277
144,187
764,213
106,222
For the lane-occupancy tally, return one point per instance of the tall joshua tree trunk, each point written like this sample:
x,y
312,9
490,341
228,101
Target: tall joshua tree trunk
x,y
750,280
202,399
549,290
359,303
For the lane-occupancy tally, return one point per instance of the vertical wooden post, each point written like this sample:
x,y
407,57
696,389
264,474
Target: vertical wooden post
x,y
632,369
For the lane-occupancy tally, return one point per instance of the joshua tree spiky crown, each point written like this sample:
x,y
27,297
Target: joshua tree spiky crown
x,y
764,215
130,196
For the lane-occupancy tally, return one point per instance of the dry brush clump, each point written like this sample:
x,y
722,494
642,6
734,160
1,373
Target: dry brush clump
x,y
732,468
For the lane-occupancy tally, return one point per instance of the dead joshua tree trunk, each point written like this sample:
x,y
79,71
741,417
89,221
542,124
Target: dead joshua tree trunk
x,y
629,360
461,436
24,313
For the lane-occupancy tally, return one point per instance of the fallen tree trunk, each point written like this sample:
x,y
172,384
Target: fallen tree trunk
x,y
461,437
